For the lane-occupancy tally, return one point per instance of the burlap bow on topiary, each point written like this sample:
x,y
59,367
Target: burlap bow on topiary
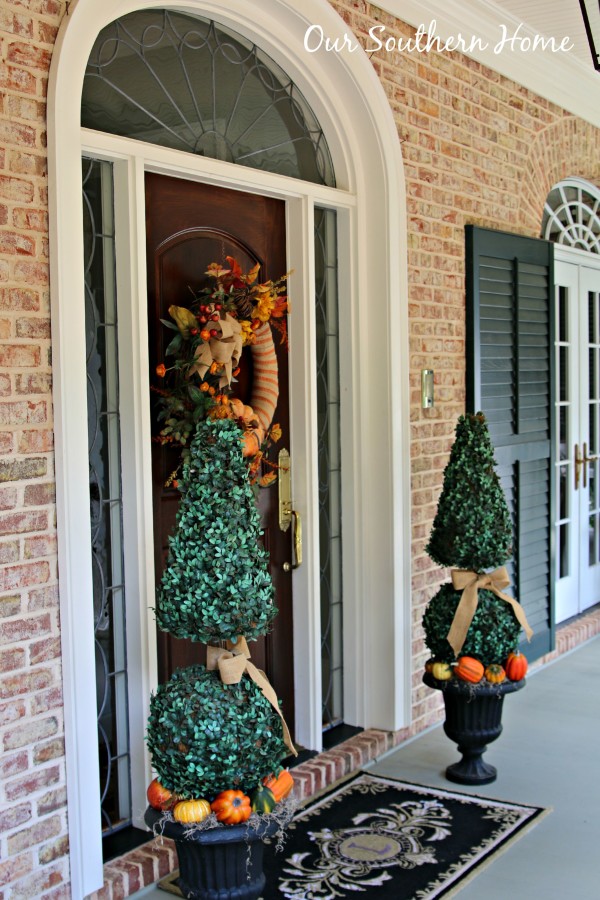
x,y
469,583
235,662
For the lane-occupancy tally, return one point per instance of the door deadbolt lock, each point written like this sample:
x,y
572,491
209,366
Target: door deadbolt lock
x,y
285,489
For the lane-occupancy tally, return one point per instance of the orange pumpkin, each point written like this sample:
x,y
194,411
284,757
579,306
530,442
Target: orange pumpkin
x,y
516,666
191,810
231,807
469,669
495,674
280,786
160,797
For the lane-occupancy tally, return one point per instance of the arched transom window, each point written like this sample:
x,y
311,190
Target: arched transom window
x,y
187,83
572,215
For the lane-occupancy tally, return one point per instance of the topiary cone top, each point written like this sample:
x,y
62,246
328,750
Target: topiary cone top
x,y
472,527
216,584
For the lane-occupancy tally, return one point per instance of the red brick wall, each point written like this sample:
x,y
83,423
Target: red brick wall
x,y
476,148
33,824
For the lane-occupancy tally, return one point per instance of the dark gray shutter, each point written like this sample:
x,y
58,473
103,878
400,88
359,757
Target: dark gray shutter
x,y
509,351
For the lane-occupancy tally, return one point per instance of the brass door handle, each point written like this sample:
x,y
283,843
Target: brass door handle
x,y
287,514
296,543
297,539
579,461
586,459
582,461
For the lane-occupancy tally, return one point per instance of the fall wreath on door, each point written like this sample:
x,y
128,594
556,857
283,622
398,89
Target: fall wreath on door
x,y
233,312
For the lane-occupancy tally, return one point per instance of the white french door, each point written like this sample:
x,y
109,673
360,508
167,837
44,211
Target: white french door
x,y
577,432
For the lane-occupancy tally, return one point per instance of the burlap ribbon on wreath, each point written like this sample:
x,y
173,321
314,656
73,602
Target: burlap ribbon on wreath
x,y
469,583
225,349
235,662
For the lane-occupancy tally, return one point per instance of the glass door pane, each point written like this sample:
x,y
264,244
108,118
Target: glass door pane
x,y
106,503
591,465
330,475
568,447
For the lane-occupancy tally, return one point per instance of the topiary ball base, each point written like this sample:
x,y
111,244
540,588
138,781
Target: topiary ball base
x,y
206,737
492,635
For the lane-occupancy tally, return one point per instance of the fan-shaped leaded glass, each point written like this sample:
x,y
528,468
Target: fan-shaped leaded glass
x,y
572,215
187,83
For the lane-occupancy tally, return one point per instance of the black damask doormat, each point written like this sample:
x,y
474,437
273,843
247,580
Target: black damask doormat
x,y
401,841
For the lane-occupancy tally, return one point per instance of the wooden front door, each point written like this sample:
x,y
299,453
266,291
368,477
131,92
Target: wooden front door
x,y
188,226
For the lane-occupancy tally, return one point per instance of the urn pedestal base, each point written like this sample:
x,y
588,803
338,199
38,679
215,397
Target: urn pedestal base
x,y
218,863
473,720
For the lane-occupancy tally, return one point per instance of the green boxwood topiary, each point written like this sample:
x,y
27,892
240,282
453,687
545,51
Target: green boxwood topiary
x,y
472,527
216,584
492,635
206,737
471,530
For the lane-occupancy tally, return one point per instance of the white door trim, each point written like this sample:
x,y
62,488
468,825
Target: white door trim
x,y
376,511
565,525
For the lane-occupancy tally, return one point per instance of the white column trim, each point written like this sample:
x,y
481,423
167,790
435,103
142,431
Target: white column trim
x,y
136,464
303,431
72,478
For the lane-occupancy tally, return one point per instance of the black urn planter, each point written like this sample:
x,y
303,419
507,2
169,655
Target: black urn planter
x,y
473,720
218,863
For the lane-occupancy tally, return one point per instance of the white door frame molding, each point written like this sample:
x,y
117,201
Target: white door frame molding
x,y
375,420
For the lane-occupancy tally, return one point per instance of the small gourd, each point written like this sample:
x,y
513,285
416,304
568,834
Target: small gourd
x,y
280,786
191,811
232,807
495,674
469,669
441,671
516,666
262,799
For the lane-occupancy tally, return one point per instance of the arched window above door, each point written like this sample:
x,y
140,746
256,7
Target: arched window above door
x,y
572,215
187,83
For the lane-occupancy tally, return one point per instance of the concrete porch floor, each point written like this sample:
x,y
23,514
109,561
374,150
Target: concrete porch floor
x,y
547,755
